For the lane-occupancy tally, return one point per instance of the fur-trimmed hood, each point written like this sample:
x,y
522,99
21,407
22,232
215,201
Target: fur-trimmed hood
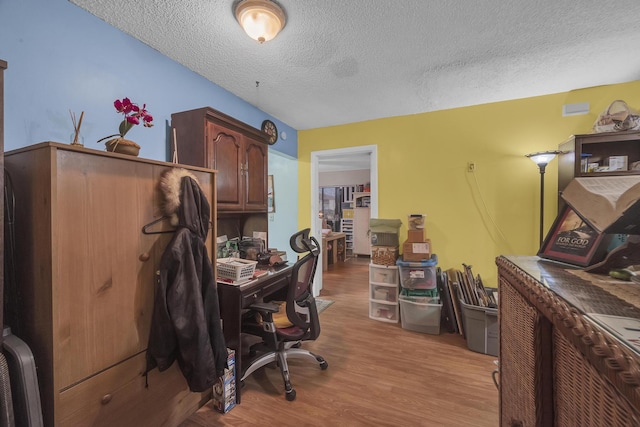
x,y
184,202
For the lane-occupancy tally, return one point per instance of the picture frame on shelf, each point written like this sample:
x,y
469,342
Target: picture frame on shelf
x,y
573,241
271,202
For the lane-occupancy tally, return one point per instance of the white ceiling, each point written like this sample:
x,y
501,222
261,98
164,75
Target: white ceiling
x,y
347,61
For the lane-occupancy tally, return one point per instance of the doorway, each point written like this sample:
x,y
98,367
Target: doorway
x,y
333,160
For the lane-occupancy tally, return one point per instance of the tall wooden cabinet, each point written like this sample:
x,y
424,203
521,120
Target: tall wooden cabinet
x,y
87,274
206,137
361,217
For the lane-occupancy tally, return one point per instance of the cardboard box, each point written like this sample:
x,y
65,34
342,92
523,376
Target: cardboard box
x,y
224,391
415,236
618,163
416,251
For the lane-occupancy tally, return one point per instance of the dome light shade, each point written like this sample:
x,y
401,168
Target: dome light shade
x,y
542,157
262,20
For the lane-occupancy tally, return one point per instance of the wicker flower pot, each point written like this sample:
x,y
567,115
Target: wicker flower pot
x,y
122,146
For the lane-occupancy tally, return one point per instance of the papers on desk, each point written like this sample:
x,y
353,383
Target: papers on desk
x,y
257,274
626,329
233,282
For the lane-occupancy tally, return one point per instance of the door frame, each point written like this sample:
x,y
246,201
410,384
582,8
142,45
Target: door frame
x,y
316,222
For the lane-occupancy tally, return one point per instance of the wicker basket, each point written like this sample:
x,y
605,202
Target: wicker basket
x,y
384,255
236,269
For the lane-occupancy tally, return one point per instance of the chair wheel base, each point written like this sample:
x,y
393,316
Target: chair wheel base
x,y
324,365
291,395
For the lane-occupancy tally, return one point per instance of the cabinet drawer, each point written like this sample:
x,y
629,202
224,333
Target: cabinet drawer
x,y
118,397
270,290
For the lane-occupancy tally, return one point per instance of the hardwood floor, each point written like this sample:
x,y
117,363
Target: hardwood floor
x,y
379,374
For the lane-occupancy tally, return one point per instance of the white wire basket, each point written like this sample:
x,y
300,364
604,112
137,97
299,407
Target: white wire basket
x,y
236,269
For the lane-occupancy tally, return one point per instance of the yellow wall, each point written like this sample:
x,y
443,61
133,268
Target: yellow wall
x,y
422,168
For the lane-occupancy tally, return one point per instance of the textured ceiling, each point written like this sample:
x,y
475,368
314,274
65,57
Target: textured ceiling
x,y
340,62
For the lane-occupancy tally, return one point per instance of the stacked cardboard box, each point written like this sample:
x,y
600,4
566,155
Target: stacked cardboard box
x,y
224,391
417,247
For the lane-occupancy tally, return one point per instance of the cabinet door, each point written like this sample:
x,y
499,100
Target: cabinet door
x,y
101,283
104,266
227,156
255,175
361,245
579,389
525,365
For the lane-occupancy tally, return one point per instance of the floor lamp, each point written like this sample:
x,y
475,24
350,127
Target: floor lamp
x,y
541,159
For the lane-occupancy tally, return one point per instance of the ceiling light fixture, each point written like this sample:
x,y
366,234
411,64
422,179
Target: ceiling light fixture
x,y
262,20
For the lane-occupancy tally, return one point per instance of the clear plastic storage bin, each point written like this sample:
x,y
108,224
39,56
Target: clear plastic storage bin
x,y
418,275
420,317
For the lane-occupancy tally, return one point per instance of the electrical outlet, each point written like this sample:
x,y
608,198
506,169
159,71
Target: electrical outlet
x,y
471,167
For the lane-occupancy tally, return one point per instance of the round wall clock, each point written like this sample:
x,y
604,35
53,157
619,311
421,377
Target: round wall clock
x,y
269,128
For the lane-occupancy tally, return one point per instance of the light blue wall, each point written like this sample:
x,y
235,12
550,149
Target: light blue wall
x,y
63,58
281,225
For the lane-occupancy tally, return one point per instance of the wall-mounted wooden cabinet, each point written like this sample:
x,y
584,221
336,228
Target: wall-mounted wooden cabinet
x,y
87,274
580,154
208,138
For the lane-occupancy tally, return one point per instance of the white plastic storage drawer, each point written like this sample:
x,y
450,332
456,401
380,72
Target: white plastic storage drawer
x,y
386,312
383,274
385,293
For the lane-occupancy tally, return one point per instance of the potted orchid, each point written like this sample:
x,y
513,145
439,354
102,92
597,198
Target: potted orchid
x,y
133,115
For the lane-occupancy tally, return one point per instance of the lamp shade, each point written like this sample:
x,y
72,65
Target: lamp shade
x,y
542,157
262,20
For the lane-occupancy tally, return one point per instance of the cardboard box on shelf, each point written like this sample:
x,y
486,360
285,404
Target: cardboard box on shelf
x,y
618,163
415,236
416,251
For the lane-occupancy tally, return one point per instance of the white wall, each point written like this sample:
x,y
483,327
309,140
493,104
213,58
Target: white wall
x,y
338,179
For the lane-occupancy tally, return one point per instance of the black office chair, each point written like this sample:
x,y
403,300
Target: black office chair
x,y
280,343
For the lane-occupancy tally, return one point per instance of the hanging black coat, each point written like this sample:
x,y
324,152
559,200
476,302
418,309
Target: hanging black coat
x,y
186,324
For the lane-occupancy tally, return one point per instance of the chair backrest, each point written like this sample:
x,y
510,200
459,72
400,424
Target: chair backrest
x,y
301,306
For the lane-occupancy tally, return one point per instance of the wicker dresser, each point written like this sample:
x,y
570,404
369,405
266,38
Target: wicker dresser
x,y
558,367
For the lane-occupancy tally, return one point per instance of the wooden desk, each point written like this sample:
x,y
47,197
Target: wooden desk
x,y
339,246
234,299
558,366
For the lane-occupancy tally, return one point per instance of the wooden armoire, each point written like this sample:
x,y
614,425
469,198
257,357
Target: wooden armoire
x,y
87,276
